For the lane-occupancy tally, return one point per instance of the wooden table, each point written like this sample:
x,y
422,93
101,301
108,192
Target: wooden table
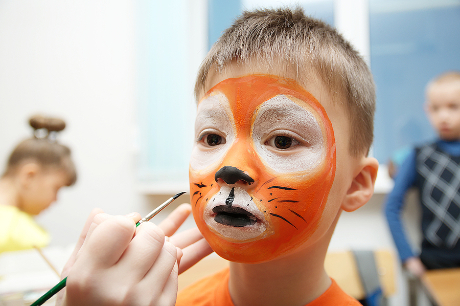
x,y
443,286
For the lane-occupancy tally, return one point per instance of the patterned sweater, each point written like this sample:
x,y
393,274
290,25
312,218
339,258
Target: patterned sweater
x,y
434,169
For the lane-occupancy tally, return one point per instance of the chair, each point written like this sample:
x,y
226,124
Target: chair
x,y
342,267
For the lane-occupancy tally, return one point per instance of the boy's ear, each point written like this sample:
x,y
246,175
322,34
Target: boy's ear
x,y
362,186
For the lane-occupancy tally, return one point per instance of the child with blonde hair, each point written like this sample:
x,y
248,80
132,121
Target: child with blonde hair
x,y
36,169
433,169
283,128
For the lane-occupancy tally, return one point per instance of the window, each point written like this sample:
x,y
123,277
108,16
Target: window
x,y
406,42
410,43
171,45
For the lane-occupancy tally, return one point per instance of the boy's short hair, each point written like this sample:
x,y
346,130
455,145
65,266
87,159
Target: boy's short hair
x,y
295,40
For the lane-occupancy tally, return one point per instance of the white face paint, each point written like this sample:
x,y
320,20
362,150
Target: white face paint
x,y
213,117
282,117
242,202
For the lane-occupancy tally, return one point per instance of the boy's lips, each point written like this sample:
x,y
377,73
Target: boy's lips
x,y
445,129
233,216
242,220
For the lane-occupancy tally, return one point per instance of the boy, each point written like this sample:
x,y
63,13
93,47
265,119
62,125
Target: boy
x,y
283,128
433,169
276,160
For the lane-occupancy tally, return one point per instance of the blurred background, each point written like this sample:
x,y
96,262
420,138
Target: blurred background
x,y
121,73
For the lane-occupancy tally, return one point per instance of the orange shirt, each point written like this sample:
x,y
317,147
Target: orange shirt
x,y
213,291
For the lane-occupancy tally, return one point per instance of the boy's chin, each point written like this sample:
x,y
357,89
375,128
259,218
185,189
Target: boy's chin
x,y
243,257
253,252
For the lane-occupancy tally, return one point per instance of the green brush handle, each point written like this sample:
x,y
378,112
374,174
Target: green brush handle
x,y
50,293
45,297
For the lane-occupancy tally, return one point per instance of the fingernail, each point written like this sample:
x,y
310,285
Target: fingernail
x,y
131,215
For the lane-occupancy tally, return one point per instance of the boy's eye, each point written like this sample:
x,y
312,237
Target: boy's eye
x,y
213,140
283,142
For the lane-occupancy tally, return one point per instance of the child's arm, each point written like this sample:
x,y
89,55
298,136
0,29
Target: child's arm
x,y
404,180
415,266
116,263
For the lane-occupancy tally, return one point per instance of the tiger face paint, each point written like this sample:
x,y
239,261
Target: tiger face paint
x,y
261,168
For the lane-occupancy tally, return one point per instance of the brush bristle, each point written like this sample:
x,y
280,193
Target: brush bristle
x,y
178,195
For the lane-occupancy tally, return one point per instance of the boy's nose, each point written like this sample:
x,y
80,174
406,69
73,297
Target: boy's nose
x,y
239,166
444,115
232,175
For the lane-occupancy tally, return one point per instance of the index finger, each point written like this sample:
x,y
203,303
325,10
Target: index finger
x,y
107,243
81,239
175,219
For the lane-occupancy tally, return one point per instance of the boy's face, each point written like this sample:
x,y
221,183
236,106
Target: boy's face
x,y
443,108
262,166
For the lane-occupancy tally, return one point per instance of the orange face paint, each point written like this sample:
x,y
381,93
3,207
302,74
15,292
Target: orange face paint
x,y
261,168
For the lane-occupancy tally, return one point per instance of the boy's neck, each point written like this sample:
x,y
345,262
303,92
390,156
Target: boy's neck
x,y
296,279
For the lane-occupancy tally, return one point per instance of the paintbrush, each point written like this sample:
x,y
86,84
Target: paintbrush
x,y
47,261
62,283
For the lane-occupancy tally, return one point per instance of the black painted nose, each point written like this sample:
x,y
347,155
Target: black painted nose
x,y
231,175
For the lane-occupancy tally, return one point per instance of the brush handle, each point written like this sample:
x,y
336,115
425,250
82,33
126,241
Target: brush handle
x,y
50,293
45,297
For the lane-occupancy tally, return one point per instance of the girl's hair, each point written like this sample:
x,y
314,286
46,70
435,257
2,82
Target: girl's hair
x,y
43,149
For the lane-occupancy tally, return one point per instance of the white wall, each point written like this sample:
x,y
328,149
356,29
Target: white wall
x,y
75,60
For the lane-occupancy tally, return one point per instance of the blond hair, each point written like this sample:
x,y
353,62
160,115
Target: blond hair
x,y
446,77
43,149
289,37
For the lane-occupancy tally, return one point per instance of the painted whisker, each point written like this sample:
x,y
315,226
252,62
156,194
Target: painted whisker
x,y
275,215
268,181
281,187
198,199
298,215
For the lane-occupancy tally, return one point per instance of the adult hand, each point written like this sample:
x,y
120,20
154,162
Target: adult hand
x,y
115,263
415,266
191,242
